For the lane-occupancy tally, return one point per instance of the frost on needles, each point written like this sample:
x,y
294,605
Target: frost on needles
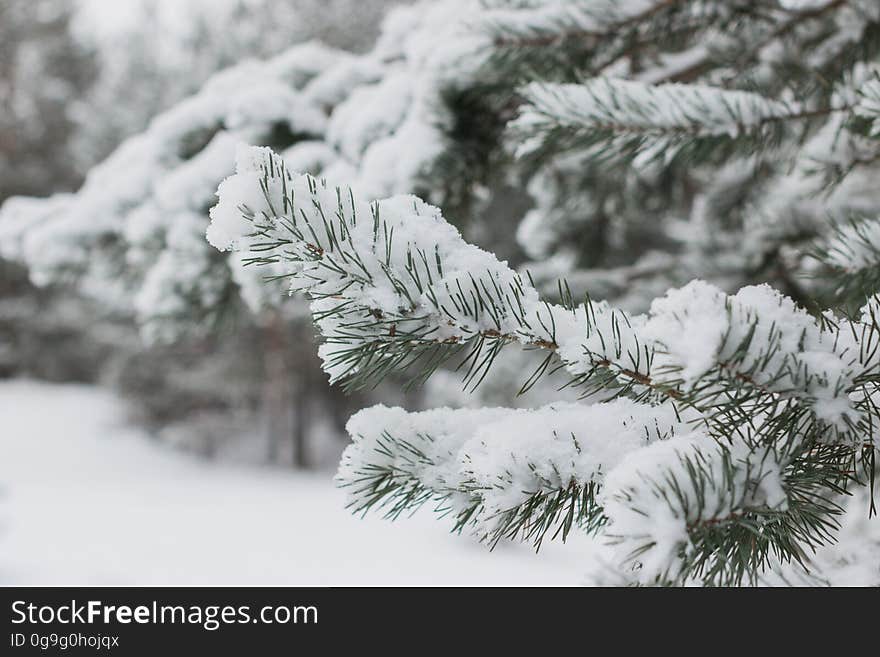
x,y
634,119
710,423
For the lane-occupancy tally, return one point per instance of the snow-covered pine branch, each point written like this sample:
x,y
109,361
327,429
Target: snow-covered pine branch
x,y
614,118
551,39
505,473
670,502
758,348
770,388
667,532
390,280
549,22
394,287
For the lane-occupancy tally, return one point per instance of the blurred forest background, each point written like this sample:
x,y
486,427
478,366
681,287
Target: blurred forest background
x,y
77,77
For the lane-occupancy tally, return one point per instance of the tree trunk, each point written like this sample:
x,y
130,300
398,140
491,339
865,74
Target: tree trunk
x,y
302,382
290,365
276,387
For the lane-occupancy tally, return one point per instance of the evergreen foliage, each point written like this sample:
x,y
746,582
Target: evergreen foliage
x,y
745,415
694,188
717,433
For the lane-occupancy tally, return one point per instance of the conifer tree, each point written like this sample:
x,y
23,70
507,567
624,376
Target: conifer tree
x,y
691,185
720,424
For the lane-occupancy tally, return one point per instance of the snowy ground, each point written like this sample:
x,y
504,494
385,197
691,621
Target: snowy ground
x,y
84,499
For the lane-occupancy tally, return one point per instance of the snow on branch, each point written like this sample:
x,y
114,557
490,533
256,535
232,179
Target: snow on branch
x,y
715,345
769,398
614,118
672,506
510,472
392,283
394,287
670,501
561,40
549,22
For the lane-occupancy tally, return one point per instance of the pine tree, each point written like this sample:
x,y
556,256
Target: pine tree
x,y
691,188
721,424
